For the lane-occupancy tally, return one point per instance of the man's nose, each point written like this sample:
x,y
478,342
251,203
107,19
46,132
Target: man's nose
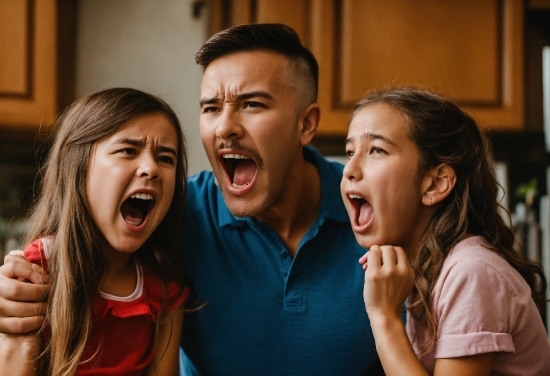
x,y
229,125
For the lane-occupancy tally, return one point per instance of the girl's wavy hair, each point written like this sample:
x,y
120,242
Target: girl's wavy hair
x,y
445,134
76,264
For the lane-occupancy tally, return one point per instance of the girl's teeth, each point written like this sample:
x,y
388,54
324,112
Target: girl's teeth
x,y
143,196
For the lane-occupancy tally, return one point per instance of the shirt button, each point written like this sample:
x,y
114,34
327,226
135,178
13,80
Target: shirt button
x,y
285,255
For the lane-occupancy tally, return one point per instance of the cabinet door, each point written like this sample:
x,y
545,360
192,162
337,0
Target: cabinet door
x,y
470,51
28,64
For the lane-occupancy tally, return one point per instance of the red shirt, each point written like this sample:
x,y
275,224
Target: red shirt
x,y
123,328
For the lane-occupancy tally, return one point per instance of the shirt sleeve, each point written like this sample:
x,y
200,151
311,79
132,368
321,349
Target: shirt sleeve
x,y
34,252
475,309
176,295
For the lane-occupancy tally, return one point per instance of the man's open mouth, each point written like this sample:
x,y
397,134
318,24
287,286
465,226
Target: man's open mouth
x,y
135,208
362,210
239,169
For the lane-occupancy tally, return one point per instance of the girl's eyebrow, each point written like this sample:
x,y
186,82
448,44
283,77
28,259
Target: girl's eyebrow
x,y
141,143
372,136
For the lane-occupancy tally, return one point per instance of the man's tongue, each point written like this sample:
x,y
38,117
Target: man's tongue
x,y
365,213
132,214
244,173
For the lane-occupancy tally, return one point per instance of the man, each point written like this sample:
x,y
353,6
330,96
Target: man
x,y
267,241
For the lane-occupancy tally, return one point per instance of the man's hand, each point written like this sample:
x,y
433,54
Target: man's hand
x,y
22,304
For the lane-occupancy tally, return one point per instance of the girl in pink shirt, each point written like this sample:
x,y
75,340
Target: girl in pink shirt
x,y
418,186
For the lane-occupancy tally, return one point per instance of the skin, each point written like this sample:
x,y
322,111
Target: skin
x,y
382,168
250,109
140,158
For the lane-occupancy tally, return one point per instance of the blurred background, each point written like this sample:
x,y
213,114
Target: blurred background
x,y
486,55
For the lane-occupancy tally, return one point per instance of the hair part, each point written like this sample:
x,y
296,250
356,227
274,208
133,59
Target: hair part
x,y
303,70
77,264
444,134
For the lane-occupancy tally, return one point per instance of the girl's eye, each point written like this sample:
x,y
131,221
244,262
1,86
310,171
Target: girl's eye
x,y
129,151
350,153
167,159
377,150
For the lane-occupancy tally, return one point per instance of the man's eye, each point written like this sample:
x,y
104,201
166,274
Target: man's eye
x,y
209,109
253,104
377,150
350,153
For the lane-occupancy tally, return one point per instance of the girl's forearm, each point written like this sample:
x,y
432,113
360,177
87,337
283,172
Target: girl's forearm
x,y
18,355
393,347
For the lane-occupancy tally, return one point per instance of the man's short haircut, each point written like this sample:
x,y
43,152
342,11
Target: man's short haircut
x,y
271,37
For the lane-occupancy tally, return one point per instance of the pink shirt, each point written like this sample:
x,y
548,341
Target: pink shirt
x,y
483,305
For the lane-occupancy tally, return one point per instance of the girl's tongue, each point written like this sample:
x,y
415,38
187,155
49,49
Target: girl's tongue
x,y
135,210
365,213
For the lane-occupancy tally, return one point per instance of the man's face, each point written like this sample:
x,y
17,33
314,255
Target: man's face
x,y
250,129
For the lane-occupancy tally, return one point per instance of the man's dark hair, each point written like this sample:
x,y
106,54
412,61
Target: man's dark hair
x,y
274,37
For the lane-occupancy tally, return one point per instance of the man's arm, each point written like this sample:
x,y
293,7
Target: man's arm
x,y
22,304
19,354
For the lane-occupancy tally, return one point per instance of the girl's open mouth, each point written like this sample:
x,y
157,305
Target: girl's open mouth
x,y
362,210
135,208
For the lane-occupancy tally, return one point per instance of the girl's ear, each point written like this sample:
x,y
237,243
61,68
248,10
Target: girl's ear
x,y
309,121
437,184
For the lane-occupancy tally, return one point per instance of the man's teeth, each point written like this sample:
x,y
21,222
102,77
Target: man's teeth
x,y
239,186
142,196
234,156
355,197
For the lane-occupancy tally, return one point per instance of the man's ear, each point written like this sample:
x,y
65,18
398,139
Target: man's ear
x,y
438,183
309,122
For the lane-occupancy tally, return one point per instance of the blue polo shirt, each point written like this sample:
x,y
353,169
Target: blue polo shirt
x,y
266,312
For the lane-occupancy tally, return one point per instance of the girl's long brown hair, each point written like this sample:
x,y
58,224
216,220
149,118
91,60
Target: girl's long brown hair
x,y
445,134
77,264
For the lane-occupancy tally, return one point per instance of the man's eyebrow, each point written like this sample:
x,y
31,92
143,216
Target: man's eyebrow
x,y
141,143
243,96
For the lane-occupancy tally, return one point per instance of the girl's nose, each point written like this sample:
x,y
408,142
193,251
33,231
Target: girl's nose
x,y
351,170
148,167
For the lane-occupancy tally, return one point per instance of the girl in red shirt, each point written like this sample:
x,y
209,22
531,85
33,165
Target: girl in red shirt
x,y
106,228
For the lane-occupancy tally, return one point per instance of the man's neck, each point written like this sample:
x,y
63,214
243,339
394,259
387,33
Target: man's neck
x,y
299,207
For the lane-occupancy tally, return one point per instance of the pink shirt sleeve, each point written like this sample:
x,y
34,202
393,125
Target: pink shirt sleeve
x,y
473,286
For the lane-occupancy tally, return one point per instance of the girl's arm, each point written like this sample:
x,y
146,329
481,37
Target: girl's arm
x,y
389,278
166,351
19,353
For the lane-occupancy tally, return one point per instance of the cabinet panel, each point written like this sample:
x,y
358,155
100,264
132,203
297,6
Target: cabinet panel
x,y
470,51
37,56
15,40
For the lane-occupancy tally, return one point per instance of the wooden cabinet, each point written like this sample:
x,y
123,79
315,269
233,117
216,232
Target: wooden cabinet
x,y
36,63
470,51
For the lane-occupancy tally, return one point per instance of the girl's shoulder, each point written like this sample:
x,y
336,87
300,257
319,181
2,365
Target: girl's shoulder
x,y
158,290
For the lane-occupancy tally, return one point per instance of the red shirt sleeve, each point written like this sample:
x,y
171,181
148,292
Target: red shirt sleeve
x,y
34,252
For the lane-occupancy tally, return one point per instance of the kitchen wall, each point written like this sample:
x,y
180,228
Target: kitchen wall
x,y
149,45
145,44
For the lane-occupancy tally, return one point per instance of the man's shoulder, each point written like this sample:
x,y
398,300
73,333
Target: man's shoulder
x,y
200,182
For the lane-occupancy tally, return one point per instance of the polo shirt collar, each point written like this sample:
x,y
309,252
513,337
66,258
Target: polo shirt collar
x,y
332,206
